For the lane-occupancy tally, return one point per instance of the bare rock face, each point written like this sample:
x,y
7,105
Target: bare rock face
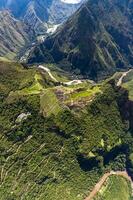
x,y
22,117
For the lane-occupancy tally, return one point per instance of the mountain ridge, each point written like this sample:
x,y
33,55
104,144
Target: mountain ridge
x,y
53,11
91,41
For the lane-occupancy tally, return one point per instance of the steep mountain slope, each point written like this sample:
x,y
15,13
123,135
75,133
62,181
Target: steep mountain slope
x,y
28,19
97,40
56,140
14,35
41,11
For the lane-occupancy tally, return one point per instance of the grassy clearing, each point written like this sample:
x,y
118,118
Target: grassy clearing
x,y
81,94
86,93
35,88
116,188
49,103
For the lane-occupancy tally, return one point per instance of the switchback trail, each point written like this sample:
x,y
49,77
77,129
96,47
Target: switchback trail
x,y
99,185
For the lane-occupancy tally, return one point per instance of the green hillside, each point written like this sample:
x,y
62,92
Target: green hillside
x,y
66,99
116,188
52,146
128,84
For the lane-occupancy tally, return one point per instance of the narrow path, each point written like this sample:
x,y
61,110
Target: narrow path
x,y
99,185
121,78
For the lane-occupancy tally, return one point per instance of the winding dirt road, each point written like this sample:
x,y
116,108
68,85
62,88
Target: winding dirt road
x,y
48,71
121,78
73,82
99,185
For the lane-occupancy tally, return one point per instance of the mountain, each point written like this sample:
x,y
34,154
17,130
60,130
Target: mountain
x,y
27,19
96,41
15,35
38,13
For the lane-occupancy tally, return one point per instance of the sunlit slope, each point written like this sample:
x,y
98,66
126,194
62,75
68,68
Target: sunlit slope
x,y
56,140
115,188
15,36
95,42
